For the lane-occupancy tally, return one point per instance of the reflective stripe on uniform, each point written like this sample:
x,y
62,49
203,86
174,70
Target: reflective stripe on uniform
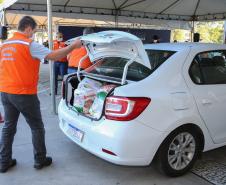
x,y
16,42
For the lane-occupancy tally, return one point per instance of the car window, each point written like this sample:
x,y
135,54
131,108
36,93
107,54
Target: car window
x,y
157,57
209,68
114,67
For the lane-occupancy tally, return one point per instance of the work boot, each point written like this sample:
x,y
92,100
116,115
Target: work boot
x,y
43,163
4,168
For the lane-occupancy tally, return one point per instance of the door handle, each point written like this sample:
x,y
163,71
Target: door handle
x,y
206,102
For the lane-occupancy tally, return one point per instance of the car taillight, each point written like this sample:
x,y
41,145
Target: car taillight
x,y
125,108
63,89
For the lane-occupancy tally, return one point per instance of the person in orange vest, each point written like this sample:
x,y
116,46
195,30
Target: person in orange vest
x,y
75,56
61,65
20,59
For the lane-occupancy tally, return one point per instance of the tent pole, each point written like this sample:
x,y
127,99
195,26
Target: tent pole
x,y
192,31
51,66
42,34
116,19
4,17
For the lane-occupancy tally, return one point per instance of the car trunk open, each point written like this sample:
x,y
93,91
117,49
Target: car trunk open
x,y
97,83
119,58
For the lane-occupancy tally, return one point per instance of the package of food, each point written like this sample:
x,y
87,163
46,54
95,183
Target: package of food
x,y
88,83
83,100
98,104
85,94
83,103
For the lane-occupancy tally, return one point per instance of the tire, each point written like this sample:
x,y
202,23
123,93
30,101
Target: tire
x,y
179,152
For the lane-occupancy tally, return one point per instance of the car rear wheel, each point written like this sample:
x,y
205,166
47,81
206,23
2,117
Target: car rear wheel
x,y
179,152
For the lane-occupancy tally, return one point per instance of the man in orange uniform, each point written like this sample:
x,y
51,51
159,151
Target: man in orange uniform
x,y
75,56
20,58
60,66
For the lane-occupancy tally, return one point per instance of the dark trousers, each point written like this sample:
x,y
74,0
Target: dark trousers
x,y
29,106
60,68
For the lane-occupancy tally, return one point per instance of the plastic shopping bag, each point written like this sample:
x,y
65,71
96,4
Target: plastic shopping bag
x,y
85,94
98,104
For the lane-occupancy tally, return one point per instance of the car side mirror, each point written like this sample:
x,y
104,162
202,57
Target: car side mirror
x,y
3,32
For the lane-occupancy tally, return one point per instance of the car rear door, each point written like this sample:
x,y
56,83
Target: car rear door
x,y
208,86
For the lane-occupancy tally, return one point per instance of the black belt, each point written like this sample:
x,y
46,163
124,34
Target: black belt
x,y
73,68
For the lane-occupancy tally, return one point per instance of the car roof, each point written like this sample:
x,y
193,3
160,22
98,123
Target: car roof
x,y
183,46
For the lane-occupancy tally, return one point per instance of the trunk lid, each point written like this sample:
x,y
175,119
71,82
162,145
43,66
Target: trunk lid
x,y
115,43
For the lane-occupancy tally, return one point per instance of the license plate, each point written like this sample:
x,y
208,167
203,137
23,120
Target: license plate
x,y
75,132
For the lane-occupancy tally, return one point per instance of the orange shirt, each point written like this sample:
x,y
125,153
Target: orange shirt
x,y
19,71
58,45
75,56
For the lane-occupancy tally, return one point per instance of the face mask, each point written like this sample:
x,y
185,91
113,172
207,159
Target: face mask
x,y
60,39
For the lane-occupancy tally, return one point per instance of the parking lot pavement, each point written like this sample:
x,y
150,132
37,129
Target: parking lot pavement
x,y
71,164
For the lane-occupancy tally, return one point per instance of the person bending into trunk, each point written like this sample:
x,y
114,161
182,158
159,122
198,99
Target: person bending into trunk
x,y
20,58
75,56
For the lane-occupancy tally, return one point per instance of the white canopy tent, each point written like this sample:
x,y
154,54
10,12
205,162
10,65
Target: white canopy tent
x,y
172,12
124,10
166,14
13,18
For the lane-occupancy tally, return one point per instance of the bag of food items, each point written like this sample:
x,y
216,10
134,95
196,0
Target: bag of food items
x,y
90,96
85,94
98,104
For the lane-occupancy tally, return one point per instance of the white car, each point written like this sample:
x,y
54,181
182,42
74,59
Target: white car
x,y
169,103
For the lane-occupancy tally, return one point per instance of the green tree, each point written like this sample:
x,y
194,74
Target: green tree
x,y
178,35
210,32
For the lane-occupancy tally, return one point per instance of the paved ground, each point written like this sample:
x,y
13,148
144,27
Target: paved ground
x,y
73,165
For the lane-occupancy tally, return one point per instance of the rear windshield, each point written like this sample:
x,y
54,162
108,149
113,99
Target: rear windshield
x,y
114,66
157,57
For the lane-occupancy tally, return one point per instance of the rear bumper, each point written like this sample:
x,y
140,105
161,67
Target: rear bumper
x,y
133,143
